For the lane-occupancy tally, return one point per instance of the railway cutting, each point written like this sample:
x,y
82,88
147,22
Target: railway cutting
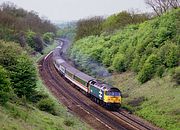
x,y
79,103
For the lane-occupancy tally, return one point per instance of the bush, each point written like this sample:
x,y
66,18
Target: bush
x,y
148,69
38,44
88,27
135,64
47,105
30,38
118,63
160,71
37,96
176,76
169,54
34,41
23,69
146,73
69,123
172,57
48,37
4,86
131,47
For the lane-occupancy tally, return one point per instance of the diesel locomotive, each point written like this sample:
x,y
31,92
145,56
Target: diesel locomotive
x,y
102,93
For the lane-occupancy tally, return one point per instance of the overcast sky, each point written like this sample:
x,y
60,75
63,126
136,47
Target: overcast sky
x,y
65,10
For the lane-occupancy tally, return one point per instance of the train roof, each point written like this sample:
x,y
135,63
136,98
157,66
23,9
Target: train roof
x,y
84,76
71,69
59,61
103,86
66,65
75,71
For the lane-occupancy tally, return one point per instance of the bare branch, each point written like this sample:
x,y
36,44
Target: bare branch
x,y
161,6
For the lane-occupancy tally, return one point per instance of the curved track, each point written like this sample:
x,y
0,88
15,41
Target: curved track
x,y
96,116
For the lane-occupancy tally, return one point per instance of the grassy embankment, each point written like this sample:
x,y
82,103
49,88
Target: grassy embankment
x,y
21,115
157,100
147,56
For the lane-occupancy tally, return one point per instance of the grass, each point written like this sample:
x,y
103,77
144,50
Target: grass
x,y
158,100
19,116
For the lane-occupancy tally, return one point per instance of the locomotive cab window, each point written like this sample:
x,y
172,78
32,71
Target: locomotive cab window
x,y
109,93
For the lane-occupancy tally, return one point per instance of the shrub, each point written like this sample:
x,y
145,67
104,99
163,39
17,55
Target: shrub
x,y
38,44
69,123
135,64
25,70
153,59
47,105
34,41
20,67
176,75
37,96
4,86
152,46
30,38
88,27
48,37
148,69
118,63
172,57
146,73
169,54
160,71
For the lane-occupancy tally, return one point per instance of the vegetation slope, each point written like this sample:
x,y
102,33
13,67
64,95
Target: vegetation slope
x,y
24,101
147,56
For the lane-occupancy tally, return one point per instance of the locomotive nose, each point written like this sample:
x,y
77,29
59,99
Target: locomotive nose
x,y
114,99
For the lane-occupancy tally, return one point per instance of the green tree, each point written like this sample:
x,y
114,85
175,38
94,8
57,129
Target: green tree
x,y
48,37
23,76
119,63
87,27
21,70
30,38
38,44
122,19
169,54
149,68
4,86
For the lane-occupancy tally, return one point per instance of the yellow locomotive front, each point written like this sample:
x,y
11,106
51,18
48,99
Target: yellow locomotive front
x,y
112,98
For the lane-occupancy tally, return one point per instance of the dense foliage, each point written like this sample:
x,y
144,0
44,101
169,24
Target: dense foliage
x,y
97,25
120,20
90,26
47,105
18,19
4,86
21,33
162,6
48,37
26,28
22,73
147,49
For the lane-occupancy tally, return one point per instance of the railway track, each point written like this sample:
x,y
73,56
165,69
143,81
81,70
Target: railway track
x,y
96,116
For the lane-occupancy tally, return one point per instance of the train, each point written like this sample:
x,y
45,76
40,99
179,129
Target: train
x,y
100,92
